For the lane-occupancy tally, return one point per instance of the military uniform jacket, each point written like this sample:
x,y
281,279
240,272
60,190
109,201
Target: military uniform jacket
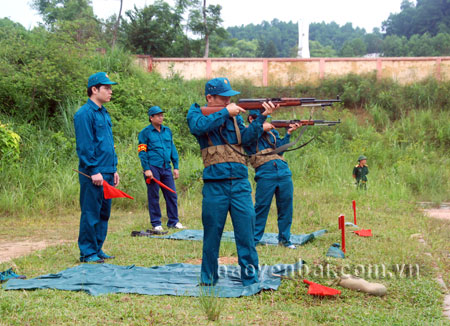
x,y
274,167
360,172
157,148
204,127
95,143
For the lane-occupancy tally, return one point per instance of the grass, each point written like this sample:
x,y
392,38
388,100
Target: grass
x,y
40,202
411,300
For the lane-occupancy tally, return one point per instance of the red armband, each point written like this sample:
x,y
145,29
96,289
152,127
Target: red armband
x,y
142,147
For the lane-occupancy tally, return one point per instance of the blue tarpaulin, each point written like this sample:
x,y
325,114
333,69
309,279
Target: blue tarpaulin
x,y
173,279
268,238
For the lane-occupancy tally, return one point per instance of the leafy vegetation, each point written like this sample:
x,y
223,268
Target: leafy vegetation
x,y
192,28
402,129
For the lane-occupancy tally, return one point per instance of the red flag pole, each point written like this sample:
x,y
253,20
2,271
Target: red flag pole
x,y
87,176
354,212
342,228
148,180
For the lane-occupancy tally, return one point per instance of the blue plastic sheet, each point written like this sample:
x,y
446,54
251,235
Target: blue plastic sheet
x,y
268,238
173,279
335,251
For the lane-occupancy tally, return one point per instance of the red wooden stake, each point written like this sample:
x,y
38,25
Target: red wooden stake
x,y
354,213
342,227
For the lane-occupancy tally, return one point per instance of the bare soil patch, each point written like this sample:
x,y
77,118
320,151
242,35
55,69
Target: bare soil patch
x,y
23,236
11,250
440,213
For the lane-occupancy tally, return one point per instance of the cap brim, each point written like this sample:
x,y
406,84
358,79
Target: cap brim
x,y
109,83
229,93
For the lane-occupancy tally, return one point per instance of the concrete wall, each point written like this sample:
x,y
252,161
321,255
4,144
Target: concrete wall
x,y
285,72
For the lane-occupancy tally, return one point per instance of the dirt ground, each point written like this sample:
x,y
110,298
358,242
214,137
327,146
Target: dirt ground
x,y
15,249
440,213
10,249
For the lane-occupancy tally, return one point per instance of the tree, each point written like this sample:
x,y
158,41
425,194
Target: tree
x,y
72,16
394,46
267,49
116,26
441,43
420,46
427,16
153,30
317,50
354,48
205,21
374,41
53,11
241,48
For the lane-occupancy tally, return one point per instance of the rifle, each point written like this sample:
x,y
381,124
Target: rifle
x,y
286,123
256,103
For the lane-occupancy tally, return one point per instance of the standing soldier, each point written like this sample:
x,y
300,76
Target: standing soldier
x,y
273,177
360,172
157,151
226,188
97,158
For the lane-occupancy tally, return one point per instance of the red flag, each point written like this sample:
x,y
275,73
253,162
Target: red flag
x,y
317,289
364,233
149,180
112,192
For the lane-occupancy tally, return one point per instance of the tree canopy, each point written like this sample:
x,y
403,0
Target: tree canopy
x,y
193,28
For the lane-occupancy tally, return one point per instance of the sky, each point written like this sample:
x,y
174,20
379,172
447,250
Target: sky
x,y
366,14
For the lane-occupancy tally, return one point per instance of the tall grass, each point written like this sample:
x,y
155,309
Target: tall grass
x,y
407,145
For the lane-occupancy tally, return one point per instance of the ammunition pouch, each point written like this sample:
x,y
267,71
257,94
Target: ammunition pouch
x,y
222,154
258,160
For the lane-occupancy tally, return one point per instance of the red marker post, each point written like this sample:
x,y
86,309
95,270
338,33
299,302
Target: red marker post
x,y
341,223
354,213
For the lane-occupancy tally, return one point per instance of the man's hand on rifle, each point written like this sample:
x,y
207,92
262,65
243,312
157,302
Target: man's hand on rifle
x,y
268,126
269,108
234,110
293,127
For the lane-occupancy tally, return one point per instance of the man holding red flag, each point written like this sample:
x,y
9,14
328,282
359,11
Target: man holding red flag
x,y
97,159
158,153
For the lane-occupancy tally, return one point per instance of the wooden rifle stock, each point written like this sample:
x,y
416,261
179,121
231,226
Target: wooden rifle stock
x,y
256,103
287,123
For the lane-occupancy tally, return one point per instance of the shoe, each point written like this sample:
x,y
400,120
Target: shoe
x,y
177,226
291,246
153,232
92,259
158,228
102,255
9,274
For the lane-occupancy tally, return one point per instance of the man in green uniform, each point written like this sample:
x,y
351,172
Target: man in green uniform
x,y
360,172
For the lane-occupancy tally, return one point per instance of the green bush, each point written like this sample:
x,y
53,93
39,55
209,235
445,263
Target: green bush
x,y
39,71
9,144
